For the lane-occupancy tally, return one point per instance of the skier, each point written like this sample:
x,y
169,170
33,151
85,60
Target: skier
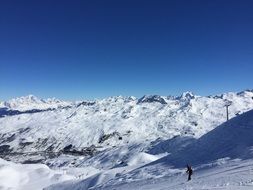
x,y
189,171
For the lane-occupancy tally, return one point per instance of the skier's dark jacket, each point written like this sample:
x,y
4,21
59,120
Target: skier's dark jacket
x,y
189,170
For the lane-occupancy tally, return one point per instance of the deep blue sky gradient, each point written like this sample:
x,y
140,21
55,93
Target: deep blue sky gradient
x,y
92,49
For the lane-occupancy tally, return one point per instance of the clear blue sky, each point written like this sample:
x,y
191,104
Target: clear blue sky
x,y
93,49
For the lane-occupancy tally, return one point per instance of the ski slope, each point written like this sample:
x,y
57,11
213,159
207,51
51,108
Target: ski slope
x,y
233,175
221,159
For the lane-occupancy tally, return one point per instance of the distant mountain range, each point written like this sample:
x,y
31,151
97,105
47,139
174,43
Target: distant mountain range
x,y
31,124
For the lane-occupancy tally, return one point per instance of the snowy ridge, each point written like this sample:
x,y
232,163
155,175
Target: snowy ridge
x,y
232,139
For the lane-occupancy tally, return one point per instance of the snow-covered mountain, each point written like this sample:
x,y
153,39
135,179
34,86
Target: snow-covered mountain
x,y
31,102
108,143
222,159
232,139
86,127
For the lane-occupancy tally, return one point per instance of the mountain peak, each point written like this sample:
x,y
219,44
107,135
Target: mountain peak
x,y
31,97
30,101
187,95
246,92
152,98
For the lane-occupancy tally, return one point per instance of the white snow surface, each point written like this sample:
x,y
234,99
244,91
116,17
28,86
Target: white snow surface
x,y
30,177
224,174
30,102
216,165
142,143
136,121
